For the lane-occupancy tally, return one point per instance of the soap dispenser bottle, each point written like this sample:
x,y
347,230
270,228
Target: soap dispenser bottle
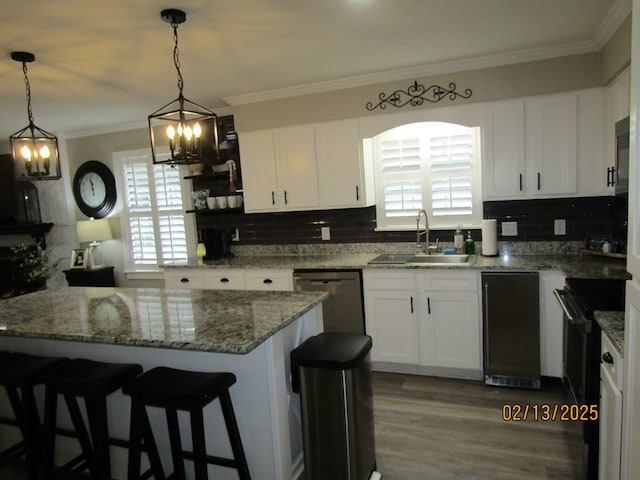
x,y
458,240
469,245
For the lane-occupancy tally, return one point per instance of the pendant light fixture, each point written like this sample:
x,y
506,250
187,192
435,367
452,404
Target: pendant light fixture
x,y
35,150
184,128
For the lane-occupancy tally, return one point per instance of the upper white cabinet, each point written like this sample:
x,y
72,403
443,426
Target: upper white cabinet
x,y
344,178
503,168
617,108
551,139
279,169
306,167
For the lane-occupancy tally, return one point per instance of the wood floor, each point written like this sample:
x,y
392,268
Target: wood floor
x,y
433,428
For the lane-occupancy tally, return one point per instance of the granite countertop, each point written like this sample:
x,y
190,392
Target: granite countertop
x,y
202,320
572,265
612,324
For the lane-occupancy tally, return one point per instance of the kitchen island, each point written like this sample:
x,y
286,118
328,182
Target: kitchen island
x,y
245,332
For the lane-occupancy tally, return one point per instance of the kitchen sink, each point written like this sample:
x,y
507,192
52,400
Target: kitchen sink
x,y
422,259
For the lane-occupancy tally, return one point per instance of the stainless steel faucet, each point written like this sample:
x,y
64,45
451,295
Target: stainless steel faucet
x,y
425,233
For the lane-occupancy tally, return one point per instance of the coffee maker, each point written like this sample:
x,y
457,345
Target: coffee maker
x,y
217,243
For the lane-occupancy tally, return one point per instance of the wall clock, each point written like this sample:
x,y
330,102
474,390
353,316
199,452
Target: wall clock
x,y
94,189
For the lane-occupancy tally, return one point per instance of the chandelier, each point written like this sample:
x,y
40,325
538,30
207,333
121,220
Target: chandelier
x,y
35,151
185,129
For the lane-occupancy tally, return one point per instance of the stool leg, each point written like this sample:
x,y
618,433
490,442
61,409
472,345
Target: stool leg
x,y
198,443
139,430
97,416
25,412
50,413
176,444
234,435
83,435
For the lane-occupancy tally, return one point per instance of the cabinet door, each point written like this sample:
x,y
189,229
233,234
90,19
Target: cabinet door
x,y
223,279
391,323
450,334
551,145
340,165
503,166
296,163
259,178
610,426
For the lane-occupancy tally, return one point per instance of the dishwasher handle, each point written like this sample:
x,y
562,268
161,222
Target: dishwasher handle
x,y
317,281
571,312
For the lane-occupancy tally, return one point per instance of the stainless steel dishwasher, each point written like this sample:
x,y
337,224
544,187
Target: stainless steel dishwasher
x,y
342,311
511,303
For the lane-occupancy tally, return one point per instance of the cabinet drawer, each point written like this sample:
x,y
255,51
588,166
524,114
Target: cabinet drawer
x,y
223,279
451,281
389,279
269,279
614,367
183,278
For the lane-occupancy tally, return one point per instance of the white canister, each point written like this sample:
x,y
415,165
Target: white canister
x,y
222,202
211,202
232,201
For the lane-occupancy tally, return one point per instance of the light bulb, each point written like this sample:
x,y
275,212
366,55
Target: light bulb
x,y
25,152
44,152
180,129
171,132
197,130
188,133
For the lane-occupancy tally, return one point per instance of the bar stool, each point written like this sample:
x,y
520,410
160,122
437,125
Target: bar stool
x,y
173,390
18,375
93,381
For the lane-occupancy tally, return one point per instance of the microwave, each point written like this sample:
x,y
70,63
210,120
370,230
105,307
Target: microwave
x,y
618,176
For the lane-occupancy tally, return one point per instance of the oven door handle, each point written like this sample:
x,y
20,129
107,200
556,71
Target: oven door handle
x,y
569,309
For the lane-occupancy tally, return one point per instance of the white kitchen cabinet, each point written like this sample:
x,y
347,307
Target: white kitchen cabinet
x,y
390,315
551,140
617,108
503,163
223,279
551,324
183,278
279,169
610,412
344,178
268,279
450,320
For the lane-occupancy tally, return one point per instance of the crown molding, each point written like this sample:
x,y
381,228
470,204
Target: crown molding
x,y
452,66
612,21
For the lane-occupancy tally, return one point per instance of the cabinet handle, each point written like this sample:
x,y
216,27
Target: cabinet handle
x,y
520,181
429,305
607,358
224,280
538,180
611,176
357,193
267,281
273,197
184,280
286,199
411,299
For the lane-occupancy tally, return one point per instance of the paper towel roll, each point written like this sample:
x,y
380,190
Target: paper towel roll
x,y
489,238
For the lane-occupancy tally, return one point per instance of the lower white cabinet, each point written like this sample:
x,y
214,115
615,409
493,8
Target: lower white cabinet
x,y
390,313
450,320
229,278
429,320
610,412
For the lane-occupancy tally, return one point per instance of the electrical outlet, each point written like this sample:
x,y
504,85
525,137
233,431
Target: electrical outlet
x,y
559,227
235,236
325,233
509,229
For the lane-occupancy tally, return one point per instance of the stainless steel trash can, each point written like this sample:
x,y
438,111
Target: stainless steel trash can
x,y
332,374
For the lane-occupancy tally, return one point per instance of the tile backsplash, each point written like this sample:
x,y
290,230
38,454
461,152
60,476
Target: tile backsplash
x,y
535,219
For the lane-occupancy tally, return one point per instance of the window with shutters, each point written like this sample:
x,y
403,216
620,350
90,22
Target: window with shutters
x,y
158,230
432,166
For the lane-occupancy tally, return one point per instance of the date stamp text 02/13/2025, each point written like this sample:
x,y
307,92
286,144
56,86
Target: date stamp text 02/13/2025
x,y
546,412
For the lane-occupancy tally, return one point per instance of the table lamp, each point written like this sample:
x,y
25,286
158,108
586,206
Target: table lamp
x,y
93,232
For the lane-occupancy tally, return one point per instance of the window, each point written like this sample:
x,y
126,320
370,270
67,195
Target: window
x,y
154,219
432,166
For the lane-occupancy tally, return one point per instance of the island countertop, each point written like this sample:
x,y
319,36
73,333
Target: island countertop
x,y
219,321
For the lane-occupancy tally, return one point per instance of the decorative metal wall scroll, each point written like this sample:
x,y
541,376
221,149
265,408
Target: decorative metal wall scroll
x,y
417,94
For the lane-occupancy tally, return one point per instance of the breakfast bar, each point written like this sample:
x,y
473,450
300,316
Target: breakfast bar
x,y
249,333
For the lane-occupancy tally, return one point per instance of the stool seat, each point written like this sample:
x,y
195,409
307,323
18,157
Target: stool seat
x,y
18,369
181,389
173,390
82,377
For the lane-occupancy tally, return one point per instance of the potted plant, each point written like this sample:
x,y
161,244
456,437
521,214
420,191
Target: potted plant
x,y
26,268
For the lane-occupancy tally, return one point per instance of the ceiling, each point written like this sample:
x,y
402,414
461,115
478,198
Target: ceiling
x,y
103,64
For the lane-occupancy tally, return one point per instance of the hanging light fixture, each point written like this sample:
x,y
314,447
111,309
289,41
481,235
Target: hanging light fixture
x,y
35,150
187,130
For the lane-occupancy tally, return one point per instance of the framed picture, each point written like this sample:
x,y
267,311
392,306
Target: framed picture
x,y
80,258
